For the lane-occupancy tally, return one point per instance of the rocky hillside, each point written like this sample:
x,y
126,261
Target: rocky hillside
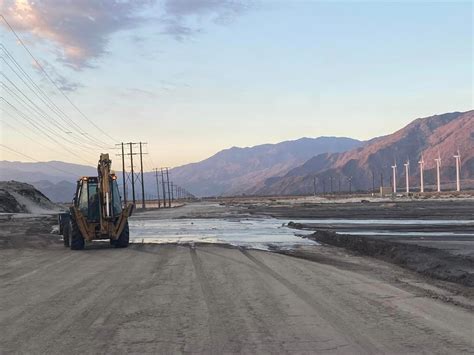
x,y
241,170
18,197
372,162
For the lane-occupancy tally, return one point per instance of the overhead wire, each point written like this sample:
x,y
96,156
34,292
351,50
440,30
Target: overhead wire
x,y
41,129
23,134
38,112
150,158
28,107
54,83
35,160
41,95
46,99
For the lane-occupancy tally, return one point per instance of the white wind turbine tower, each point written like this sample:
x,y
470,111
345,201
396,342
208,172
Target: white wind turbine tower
x,y
407,175
422,182
394,168
438,165
458,171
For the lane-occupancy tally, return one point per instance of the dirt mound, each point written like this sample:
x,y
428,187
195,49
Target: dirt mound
x,y
19,197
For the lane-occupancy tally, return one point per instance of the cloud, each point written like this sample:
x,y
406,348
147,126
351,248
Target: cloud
x,y
203,7
80,28
177,29
61,81
180,14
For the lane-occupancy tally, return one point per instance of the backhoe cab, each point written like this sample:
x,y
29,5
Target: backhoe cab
x,y
96,212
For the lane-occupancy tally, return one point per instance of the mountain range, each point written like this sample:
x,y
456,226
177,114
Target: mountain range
x,y
238,170
295,167
370,166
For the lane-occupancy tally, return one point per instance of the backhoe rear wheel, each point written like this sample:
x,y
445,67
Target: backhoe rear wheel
x,y
66,235
123,240
76,240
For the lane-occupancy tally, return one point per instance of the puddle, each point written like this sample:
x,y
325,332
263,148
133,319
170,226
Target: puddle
x,y
252,233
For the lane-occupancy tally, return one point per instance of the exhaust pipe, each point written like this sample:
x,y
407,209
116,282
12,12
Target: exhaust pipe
x,y
107,204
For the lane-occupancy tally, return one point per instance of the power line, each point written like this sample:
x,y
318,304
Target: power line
x,y
41,114
22,133
52,81
34,131
41,95
28,157
41,129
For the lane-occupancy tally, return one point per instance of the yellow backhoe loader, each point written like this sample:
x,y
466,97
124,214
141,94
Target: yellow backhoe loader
x,y
97,212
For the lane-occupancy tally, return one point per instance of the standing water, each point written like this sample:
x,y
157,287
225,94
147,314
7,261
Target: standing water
x,y
252,233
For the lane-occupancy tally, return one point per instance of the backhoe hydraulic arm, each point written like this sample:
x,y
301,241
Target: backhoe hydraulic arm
x,y
103,171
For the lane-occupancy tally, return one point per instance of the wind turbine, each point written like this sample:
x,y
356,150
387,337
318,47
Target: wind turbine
x,y
422,165
458,171
407,175
394,168
438,165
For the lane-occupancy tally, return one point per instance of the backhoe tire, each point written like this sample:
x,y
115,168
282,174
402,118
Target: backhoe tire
x,y
66,235
123,239
76,240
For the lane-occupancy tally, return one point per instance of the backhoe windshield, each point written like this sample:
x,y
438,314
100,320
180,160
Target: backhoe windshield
x,y
116,203
83,204
94,212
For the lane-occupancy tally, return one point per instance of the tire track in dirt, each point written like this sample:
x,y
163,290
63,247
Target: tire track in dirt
x,y
108,305
219,334
357,340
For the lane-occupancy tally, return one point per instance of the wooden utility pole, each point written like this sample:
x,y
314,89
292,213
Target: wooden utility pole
x,y
157,187
132,171
133,174
168,182
123,177
163,186
141,174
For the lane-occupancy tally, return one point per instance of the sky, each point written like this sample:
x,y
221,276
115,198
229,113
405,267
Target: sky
x,y
192,77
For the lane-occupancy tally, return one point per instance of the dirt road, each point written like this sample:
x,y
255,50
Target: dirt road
x,y
213,299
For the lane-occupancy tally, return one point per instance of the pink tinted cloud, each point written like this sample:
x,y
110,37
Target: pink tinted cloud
x,y
80,29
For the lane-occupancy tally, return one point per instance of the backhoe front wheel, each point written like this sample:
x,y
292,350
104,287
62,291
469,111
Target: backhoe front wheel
x,y
76,240
123,240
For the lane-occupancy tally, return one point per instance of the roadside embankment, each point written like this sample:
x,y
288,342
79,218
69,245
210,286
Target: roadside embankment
x,y
431,261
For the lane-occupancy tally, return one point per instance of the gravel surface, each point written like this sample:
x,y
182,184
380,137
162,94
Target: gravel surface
x,y
213,299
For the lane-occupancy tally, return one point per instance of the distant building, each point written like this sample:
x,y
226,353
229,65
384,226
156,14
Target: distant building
x,y
386,191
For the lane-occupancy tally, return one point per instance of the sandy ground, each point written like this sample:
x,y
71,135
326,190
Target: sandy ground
x,y
216,299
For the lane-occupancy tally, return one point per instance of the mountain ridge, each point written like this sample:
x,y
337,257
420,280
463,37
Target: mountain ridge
x,y
229,171
422,136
